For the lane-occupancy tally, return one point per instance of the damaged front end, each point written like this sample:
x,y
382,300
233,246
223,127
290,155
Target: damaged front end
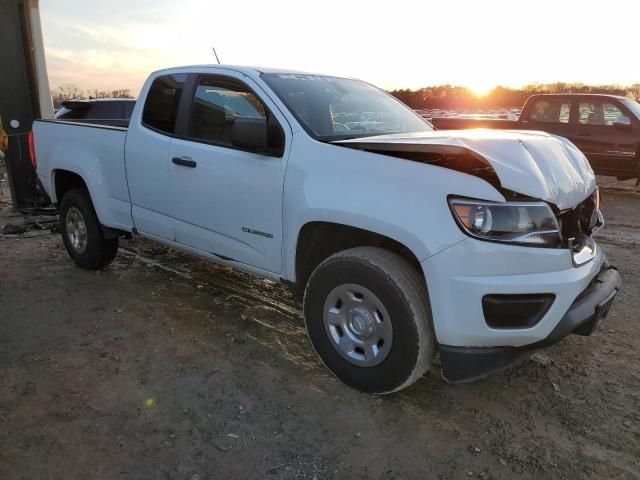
x,y
525,167
528,300
577,227
533,165
452,157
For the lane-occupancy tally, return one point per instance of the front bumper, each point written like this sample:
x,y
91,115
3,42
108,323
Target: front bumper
x,y
459,277
586,313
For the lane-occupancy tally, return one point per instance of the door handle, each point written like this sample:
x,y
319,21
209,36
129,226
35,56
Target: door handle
x,y
582,134
184,162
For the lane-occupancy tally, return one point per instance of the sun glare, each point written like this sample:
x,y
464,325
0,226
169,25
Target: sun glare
x,y
480,89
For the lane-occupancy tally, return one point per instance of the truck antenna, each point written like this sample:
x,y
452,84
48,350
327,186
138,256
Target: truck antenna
x,y
214,52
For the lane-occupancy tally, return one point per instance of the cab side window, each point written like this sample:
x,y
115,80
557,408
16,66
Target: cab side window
x,y
161,107
598,113
551,111
217,104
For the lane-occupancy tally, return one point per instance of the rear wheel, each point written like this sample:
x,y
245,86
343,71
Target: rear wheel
x,y
82,233
368,316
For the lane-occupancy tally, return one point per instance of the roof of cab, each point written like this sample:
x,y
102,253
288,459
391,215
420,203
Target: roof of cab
x,y
94,100
577,94
251,71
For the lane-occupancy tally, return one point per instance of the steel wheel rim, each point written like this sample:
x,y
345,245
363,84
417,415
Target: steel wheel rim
x,y
76,230
358,325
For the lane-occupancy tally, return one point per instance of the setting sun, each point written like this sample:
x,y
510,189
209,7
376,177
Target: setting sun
x,y
480,89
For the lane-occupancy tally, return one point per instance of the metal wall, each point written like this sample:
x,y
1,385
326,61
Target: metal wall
x,y
19,101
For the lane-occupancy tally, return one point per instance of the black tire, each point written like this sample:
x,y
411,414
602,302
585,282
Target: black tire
x,y
403,294
99,251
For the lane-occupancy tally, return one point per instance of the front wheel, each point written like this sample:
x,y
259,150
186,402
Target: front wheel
x,y
368,317
82,233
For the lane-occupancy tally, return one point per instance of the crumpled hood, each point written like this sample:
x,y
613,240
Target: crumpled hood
x,y
535,164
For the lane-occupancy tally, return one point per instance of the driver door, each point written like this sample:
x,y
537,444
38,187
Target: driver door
x,y
225,200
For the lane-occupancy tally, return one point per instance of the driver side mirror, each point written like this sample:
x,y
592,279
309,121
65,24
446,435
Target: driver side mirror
x,y
623,122
259,135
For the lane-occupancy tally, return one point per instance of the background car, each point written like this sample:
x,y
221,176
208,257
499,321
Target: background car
x,y
105,111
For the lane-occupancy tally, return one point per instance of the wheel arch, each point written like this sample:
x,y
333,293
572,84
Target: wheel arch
x,y
318,240
64,180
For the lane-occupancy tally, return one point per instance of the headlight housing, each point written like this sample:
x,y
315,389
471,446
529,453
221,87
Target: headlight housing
x,y
521,223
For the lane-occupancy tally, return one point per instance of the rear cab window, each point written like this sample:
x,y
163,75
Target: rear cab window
x,y
550,110
73,113
106,110
161,106
128,109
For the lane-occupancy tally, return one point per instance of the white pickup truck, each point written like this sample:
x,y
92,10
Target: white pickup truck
x,y
405,241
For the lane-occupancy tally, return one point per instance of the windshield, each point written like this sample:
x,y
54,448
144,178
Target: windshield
x,y
332,108
632,105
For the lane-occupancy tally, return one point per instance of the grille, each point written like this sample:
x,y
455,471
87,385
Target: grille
x,y
578,224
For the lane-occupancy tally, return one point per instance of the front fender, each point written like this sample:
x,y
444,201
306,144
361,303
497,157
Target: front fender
x,y
400,199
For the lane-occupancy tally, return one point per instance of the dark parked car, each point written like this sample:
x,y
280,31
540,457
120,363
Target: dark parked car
x,y
605,127
115,112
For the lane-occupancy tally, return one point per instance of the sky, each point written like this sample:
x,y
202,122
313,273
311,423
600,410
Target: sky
x,y
400,44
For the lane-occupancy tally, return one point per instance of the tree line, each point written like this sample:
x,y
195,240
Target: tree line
x,y
453,97
440,96
72,92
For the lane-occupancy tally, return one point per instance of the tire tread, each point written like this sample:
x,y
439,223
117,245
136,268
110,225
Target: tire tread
x,y
100,251
410,283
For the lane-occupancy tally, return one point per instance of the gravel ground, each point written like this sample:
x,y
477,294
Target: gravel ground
x,y
166,366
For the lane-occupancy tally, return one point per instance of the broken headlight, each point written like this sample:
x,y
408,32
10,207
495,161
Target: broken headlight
x,y
522,223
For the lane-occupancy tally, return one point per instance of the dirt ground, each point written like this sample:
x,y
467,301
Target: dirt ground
x,y
166,366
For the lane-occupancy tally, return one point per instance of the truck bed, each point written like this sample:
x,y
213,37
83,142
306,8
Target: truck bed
x,y
95,153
